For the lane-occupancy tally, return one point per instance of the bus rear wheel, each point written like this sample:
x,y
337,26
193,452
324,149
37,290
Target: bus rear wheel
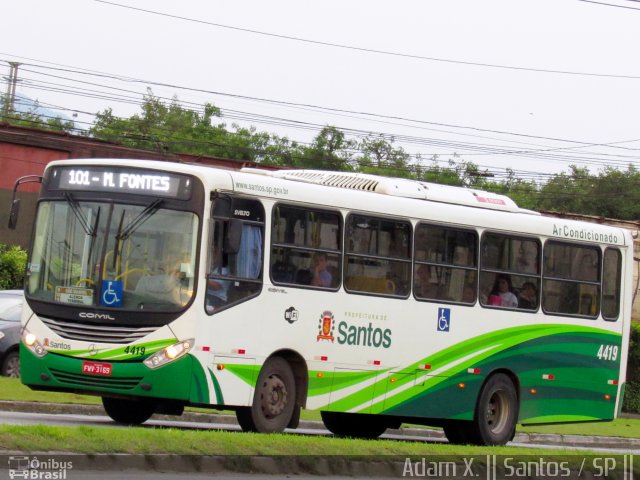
x,y
354,424
496,412
129,412
274,400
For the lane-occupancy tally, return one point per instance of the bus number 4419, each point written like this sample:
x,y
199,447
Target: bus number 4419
x,y
608,352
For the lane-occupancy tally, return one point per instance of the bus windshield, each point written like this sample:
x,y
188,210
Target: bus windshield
x,y
130,257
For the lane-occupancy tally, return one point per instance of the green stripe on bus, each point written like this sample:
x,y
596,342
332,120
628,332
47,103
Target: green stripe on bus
x,y
216,388
508,347
119,353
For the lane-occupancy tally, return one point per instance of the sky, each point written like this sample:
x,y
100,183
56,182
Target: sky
x,y
532,85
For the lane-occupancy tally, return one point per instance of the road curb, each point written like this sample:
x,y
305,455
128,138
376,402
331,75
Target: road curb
x,y
356,466
431,434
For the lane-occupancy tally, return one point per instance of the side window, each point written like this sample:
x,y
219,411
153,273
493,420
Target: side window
x,y
305,247
236,254
377,256
446,264
509,271
611,277
571,281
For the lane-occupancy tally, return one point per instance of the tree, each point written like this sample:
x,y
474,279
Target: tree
x,y
32,119
165,128
379,156
330,150
612,193
13,262
171,128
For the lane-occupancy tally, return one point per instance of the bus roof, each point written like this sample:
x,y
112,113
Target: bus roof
x,y
399,187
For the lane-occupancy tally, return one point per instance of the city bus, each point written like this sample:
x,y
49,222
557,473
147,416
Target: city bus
x,y
375,301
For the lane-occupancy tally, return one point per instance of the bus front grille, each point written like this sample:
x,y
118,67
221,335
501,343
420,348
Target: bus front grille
x,y
119,383
97,333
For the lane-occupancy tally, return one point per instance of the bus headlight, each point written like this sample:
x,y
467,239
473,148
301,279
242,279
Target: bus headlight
x,y
32,343
169,354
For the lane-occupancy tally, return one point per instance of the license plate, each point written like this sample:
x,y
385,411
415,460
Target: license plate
x,y
97,368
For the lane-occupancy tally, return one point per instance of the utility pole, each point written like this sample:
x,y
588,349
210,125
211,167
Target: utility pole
x,y
10,98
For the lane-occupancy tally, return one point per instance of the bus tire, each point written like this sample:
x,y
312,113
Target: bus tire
x,y
128,412
274,399
496,412
354,424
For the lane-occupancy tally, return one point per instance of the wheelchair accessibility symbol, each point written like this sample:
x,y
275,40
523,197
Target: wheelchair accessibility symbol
x,y
111,293
444,319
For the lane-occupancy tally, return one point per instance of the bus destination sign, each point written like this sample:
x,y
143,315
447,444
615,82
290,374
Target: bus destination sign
x,y
121,180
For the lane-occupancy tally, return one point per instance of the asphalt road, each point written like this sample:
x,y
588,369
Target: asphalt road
x,y
564,442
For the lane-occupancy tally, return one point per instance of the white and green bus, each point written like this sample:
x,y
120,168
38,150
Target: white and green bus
x,y
376,301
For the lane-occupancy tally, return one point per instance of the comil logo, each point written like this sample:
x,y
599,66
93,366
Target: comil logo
x,y
96,316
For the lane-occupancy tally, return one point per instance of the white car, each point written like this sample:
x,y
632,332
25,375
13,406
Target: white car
x,y
10,310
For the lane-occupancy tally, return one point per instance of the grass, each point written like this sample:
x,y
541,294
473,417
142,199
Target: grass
x,y
153,440
13,389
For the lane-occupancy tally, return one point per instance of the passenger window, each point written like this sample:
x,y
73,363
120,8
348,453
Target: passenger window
x,y
446,264
509,272
306,247
378,256
611,277
571,283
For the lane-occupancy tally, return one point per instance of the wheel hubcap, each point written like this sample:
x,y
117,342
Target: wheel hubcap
x,y
274,398
497,412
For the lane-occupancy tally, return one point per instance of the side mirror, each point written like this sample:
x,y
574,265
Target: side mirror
x,y
13,214
15,203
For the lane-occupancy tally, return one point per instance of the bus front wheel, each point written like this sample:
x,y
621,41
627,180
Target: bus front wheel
x,y
274,400
128,412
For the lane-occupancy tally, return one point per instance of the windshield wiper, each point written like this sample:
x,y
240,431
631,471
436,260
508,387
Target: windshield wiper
x,y
94,232
125,233
145,215
75,208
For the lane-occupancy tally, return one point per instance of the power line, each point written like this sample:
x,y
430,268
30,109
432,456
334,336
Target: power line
x,y
465,148
600,3
367,50
368,115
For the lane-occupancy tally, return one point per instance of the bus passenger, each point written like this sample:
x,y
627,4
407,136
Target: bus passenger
x,y
528,296
321,276
469,294
425,288
502,293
